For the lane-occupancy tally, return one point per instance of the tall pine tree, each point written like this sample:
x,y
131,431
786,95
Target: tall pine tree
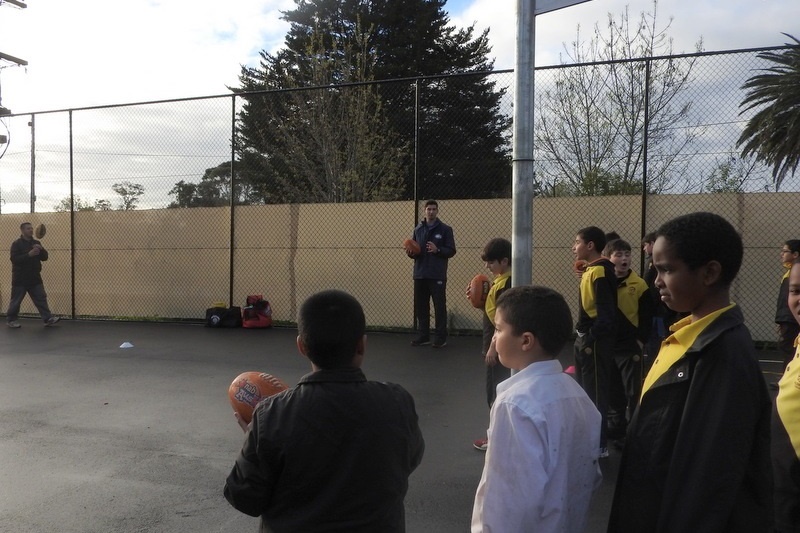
x,y
462,140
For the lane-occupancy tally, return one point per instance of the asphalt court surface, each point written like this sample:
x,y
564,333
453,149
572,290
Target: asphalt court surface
x,y
95,438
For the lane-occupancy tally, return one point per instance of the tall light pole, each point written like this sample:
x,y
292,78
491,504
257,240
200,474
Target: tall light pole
x,y
522,166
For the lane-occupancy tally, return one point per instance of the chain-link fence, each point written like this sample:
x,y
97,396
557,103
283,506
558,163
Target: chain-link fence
x,y
158,209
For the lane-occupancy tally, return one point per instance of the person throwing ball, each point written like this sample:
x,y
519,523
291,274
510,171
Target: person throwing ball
x,y
27,255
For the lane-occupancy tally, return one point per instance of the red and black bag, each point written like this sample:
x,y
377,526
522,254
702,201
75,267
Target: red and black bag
x,y
257,313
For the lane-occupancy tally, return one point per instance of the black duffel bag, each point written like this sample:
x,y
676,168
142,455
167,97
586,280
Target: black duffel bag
x,y
224,317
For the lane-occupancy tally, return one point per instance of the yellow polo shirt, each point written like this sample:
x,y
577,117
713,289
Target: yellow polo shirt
x,y
788,400
491,299
673,348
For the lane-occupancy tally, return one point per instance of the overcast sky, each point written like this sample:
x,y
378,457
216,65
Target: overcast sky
x,y
104,52
97,52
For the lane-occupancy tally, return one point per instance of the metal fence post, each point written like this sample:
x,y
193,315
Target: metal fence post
x,y
645,138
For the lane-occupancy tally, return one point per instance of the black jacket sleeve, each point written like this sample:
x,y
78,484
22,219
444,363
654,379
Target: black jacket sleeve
x,y
250,484
646,309
604,326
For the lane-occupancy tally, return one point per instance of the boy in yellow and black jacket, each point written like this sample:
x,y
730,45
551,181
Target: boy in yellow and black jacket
x,y
596,324
634,323
785,322
786,428
497,257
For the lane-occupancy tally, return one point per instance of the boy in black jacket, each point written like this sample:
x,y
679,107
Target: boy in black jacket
x,y
634,321
697,452
786,430
597,321
334,452
787,326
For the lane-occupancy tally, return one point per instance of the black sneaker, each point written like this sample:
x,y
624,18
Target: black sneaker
x,y
421,341
439,344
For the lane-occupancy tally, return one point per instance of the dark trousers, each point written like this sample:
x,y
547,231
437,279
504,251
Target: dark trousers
x,y
625,387
426,290
593,366
38,296
494,374
787,332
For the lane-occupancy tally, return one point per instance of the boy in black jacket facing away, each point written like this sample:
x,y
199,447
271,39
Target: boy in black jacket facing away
x,y
334,452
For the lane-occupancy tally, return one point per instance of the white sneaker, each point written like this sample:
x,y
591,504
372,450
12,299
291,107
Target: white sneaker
x,y
603,453
14,324
50,321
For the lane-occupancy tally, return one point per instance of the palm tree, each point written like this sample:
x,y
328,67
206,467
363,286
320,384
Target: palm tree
x,y
773,134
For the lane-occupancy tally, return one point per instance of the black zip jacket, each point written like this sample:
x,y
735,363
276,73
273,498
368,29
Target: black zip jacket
x,y
26,271
697,454
331,454
433,265
597,302
783,314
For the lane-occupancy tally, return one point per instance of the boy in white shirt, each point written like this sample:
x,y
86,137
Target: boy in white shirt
x,y
541,463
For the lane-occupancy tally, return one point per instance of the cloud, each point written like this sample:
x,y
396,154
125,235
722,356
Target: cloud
x,y
98,52
723,24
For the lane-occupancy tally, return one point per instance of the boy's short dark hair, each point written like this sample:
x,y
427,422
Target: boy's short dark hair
x,y
431,202
612,235
650,238
595,235
330,324
540,311
793,245
700,237
497,250
25,224
617,245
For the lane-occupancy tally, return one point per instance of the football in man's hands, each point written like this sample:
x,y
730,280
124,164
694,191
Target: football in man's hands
x,y
411,247
249,388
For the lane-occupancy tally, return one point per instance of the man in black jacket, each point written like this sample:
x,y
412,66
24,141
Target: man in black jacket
x,y
437,245
27,255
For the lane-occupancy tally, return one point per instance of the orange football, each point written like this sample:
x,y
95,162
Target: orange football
x,y
411,247
478,290
249,388
579,266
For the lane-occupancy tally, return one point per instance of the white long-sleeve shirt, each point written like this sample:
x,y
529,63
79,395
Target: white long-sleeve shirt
x,y
541,464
